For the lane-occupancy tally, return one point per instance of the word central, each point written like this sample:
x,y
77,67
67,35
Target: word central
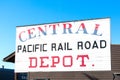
x,y
58,28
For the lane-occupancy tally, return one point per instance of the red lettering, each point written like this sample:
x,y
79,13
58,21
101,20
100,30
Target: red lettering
x,y
67,28
22,40
83,59
54,28
30,32
83,27
55,60
33,64
65,58
96,30
43,65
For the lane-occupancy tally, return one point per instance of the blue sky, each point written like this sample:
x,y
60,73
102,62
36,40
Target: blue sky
x,y
25,12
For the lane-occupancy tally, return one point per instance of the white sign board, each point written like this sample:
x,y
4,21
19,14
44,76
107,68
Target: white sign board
x,y
65,46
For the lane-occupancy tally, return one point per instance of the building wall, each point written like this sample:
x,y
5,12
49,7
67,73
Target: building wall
x,y
115,57
101,75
